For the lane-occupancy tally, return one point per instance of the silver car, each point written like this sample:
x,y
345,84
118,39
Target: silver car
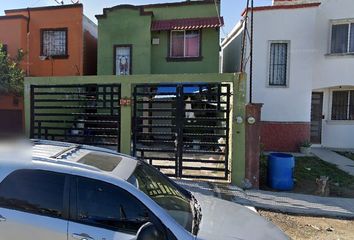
x,y
75,192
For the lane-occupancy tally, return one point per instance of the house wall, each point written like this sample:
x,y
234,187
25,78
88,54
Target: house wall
x,y
343,75
333,72
209,40
128,24
90,47
41,18
13,31
122,27
286,112
231,51
335,133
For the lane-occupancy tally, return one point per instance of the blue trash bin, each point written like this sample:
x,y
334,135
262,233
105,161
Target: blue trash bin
x,y
280,171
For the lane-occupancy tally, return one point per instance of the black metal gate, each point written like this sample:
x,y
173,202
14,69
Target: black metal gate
x,y
183,129
85,114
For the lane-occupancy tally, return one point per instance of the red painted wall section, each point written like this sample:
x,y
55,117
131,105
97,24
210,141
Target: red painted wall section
x,y
42,18
284,136
13,33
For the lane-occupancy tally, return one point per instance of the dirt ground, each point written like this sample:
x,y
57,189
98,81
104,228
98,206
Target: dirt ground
x,y
311,228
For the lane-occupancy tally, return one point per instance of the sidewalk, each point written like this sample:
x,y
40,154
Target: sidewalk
x,y
343,163
277,201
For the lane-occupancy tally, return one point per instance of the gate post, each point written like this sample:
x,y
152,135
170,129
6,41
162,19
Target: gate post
x,y
238,150
253,142
126,119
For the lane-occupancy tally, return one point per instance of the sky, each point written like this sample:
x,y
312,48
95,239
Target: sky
x,y
230,9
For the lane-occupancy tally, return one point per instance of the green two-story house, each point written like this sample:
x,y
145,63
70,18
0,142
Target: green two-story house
x,y
168,38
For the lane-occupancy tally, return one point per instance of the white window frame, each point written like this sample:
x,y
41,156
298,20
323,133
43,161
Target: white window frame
x,y
184,41
349,21
287,80
331,104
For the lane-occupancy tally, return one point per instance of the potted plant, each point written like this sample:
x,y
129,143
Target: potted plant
x,y
305,147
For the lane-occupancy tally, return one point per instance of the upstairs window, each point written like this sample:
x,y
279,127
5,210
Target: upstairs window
x,y
185,44
342,39
54,42
343,105
278,63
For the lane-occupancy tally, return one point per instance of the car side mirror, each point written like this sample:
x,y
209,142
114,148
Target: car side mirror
x,y
149,232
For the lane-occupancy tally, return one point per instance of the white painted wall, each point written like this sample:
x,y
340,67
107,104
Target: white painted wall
x,y
292,103
332,70
311,68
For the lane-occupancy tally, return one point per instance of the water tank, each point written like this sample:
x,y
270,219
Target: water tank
x,y
280,171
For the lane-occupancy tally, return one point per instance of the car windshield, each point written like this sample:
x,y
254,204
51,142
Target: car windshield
x,y
175,201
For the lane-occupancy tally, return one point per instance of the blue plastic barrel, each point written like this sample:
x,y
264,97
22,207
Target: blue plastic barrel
x,y
280,171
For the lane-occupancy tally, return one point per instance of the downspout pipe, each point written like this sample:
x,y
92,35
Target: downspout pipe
x,y
28,42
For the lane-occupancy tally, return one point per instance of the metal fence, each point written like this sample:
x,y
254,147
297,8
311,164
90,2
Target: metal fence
x,y
183,129
85,114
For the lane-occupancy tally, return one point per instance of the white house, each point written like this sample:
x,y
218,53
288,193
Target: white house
x,y
303,71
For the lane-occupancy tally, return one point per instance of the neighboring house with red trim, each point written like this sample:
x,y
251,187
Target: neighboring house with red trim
x,y
167,38
57,41
303,71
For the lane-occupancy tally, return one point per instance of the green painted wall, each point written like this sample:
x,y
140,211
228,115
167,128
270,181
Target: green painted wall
x,y
125,25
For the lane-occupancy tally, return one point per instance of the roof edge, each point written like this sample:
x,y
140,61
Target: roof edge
x,y
156,5
124,6
78,5
280,7
13,17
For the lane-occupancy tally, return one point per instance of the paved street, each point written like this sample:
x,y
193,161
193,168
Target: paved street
x,y
278,201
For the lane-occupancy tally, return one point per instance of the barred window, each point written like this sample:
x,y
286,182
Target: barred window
x,y
343,105
278,64
54,42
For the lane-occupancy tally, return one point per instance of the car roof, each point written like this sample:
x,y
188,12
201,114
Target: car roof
x,y
82,157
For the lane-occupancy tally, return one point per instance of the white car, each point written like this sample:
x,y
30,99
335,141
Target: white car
x,y
75,192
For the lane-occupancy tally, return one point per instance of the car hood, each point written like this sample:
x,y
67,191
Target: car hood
x,y
223,220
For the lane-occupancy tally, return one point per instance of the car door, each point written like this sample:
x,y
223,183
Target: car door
x,y
102,211
32,206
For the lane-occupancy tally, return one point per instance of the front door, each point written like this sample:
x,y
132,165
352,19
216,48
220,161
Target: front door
x,y
123,60
316,117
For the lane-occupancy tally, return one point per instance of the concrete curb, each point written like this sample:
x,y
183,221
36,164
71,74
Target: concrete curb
x,y
285,202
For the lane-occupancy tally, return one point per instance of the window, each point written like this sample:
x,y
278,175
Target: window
x,y
278,63
343,105
107,206
342,38
185,44
164,193
123,60
54,42
103,161
34,191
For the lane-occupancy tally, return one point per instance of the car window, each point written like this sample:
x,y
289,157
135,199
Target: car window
x,y
105,205
34,191
164,193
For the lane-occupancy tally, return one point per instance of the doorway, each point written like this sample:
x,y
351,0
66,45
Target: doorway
x,y
316,117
